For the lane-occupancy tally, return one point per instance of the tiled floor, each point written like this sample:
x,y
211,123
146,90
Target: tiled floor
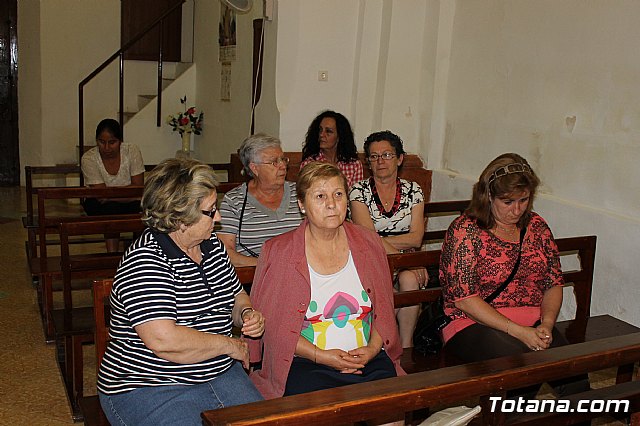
x,y
31,390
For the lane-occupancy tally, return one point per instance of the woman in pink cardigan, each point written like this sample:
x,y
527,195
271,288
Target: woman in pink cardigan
x,y
326,294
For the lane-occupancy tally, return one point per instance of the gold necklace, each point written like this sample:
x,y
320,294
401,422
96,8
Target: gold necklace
x,y
507,231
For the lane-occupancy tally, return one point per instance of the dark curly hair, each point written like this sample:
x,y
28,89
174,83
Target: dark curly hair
x,y
347,150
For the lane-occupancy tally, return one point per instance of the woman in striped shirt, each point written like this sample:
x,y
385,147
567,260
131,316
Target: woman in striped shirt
x,y
174,300
262,208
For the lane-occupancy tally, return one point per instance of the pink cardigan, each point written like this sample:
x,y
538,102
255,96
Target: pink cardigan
x,y
281,290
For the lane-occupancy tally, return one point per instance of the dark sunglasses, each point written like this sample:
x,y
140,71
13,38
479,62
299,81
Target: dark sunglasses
x,y
210,213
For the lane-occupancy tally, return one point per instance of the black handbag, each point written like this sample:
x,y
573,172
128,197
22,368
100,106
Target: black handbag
x,y
427,336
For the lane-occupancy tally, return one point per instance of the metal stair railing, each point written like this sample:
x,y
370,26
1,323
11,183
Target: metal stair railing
x,y
120,54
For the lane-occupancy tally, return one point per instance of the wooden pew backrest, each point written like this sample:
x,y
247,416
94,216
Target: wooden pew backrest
x,y
49,224
101,293
581,280
97,263
30,172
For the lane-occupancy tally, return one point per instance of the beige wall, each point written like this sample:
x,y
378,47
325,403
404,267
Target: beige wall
x,y
520,71
226,123
29,84
73,37
380,59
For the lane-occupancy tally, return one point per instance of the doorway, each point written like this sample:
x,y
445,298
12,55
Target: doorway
x,y
137,15
9,145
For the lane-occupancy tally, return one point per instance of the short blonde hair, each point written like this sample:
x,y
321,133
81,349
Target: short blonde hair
x,y
315,171
173,193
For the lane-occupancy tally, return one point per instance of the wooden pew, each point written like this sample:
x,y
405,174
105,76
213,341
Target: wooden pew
x,y
90,405
417,391
583,328
61,171
449,385
73,326
44,268
30,220
434,209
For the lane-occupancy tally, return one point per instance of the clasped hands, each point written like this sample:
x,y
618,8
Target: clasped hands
x,y
347,362
537,338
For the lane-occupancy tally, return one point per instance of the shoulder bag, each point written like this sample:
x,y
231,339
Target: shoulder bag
x,y
427,336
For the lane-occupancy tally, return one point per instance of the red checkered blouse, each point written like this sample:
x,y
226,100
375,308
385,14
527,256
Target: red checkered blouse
x,y
352,170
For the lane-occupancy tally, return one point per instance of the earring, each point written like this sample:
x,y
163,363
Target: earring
x,y
303,211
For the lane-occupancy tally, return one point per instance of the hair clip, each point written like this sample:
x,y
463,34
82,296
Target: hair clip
x,y
508,170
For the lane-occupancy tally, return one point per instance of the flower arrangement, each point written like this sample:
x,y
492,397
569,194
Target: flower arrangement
x,y
188,121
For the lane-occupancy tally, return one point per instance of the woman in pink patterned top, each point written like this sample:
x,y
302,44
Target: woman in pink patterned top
x,y
479,252
330,140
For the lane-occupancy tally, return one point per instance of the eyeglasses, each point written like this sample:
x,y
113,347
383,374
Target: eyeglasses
x,y
276,162
210,213
385,156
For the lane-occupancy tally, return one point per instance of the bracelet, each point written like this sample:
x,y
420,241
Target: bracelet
x,y
508,322
246,309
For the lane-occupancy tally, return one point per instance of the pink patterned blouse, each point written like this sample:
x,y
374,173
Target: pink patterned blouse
x,y
474,262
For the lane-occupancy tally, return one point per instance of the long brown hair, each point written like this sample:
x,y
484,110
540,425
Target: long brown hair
x,y
507,174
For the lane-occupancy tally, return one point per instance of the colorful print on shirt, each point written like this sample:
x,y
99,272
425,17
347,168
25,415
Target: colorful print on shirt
x,y
340,313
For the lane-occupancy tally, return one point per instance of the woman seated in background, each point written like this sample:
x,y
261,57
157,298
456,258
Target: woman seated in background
x,y
174,300
394,208
112,163
479,253
262,208
326,290
330,140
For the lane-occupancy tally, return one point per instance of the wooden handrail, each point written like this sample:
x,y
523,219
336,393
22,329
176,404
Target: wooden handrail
x,y
120,54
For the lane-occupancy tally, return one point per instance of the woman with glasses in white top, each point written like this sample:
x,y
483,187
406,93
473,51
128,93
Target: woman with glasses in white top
x,y
262,208
394,208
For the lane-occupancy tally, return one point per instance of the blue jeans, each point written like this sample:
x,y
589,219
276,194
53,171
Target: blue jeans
x,y
179,404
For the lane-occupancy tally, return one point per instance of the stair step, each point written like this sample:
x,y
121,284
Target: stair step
x,y
127,115
143,100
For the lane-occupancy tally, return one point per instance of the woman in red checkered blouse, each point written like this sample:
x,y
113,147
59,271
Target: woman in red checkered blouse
x,y
330,140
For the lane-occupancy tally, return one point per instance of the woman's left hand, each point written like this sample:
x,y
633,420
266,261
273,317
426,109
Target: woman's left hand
x,y
545,333
364,354
253,324
422,277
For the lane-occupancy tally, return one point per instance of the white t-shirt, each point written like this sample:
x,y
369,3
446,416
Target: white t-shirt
x,y
130,165
340,314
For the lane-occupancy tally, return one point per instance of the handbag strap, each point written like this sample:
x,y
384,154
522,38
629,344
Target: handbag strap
x,y
504,285
244,204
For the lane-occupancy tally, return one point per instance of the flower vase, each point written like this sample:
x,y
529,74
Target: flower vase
x,y
185,150
186,142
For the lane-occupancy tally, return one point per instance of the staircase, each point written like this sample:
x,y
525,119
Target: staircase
x,y
141,89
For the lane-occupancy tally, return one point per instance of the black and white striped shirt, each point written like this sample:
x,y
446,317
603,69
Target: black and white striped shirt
x,y
259,223
155,281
